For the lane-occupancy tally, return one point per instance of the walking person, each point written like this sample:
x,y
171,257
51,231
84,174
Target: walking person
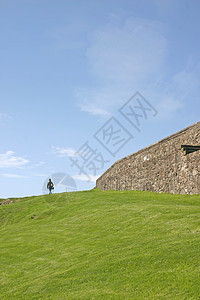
x,y
50,186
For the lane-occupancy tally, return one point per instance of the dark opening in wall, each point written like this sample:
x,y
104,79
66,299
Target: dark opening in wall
x,y
189,149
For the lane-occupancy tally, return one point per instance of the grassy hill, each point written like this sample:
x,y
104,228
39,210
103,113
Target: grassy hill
x,y
100,245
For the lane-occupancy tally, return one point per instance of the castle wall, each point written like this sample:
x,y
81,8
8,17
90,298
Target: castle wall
x,y
161,167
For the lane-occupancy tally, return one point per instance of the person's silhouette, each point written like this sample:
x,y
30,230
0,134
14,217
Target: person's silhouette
x,y
50,186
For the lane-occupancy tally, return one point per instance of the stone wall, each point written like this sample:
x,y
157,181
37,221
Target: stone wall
x,y
161,167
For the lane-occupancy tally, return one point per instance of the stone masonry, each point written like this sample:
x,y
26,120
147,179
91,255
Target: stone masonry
x,y
166,166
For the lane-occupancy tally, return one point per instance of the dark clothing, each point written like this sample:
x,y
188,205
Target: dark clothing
x,y
50,186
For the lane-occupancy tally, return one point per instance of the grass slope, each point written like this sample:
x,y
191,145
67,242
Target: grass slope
x,y
101,245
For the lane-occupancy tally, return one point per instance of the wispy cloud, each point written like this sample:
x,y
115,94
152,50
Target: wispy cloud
x,y
128,51
123,57
89,105
63,151
174,94
168,106
33,166
129,56
41,175
41,163
84,177
185,81
9,175
9,160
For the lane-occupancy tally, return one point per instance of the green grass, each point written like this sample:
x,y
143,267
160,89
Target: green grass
x,y
101,245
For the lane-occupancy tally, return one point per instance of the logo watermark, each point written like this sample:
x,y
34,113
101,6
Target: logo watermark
x,y
113,135
62,183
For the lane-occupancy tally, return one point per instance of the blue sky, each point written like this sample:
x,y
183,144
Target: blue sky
x,y
66,69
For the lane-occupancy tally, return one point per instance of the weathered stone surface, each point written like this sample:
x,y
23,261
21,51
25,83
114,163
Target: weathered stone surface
x,y
160,167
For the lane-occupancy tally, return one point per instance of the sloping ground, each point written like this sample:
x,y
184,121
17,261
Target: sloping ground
x,y
100,245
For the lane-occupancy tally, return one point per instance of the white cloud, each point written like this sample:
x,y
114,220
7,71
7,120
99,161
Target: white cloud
x,y
84,177
41,175
168,106
63,151
123,57
127,52
90,107
174,94
41,163
9,160
132,55
93,110
185,81
33,166
9,175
